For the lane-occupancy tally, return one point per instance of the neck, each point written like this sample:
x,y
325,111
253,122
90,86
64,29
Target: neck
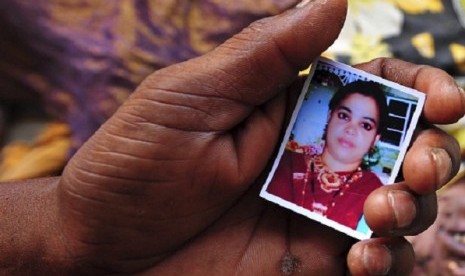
x,y
337,166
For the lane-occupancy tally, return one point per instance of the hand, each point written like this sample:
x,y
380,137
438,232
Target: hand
x,y
432,160
169,185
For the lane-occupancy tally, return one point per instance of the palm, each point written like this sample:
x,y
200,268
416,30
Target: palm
x,y
259,238
203,229
177,194
168,183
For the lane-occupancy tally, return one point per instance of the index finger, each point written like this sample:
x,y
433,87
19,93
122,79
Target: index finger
x,y
445,101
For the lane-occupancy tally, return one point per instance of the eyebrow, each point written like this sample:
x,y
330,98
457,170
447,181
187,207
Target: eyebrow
x,y
350,111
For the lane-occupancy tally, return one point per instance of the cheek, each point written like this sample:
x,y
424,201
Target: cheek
x,y
335,128
366,139
456,217
331,132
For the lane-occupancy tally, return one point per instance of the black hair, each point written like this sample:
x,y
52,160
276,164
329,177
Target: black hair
x,y
366,88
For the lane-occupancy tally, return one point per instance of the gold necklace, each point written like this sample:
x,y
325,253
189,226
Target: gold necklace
x,y
329,180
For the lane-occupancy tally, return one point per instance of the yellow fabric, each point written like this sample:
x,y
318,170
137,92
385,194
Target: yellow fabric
x,y
424,42
458,54
46,156
420,6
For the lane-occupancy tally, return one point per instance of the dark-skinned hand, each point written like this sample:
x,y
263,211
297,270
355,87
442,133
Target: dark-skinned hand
x,y
169,185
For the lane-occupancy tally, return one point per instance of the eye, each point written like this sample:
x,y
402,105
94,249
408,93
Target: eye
x,y
343,115
367,126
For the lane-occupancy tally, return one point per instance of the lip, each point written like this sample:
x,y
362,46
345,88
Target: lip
x,y
345,143
454,243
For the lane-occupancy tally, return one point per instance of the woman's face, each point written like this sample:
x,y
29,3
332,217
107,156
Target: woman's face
x,y
352,129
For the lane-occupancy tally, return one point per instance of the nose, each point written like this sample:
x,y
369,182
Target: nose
x,y
351,128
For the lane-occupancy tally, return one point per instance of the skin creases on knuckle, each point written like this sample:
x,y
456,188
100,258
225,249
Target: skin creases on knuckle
x,y
254,34
257,27
235,48
201,107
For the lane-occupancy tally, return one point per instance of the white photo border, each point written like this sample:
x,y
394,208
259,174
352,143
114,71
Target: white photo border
x,y
402,150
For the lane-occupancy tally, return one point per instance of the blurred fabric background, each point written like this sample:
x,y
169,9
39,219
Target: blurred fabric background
x,y
66,65
75,61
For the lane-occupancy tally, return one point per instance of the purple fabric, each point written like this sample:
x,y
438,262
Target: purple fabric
x,y
80,59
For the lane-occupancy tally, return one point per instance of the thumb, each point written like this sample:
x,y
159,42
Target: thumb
x,y
248,69
190,103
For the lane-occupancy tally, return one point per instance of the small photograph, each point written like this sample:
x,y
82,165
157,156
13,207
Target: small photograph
x,y
347,137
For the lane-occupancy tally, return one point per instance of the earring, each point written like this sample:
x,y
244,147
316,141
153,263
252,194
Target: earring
x,y
371,158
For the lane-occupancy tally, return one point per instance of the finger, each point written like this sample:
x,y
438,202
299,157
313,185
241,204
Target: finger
x,y
436,155
381,256
220,89
394,210
445,101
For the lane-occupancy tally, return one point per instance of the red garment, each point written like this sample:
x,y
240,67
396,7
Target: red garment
x,y
344,205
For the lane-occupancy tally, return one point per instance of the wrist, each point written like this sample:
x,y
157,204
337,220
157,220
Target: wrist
x,y
30,238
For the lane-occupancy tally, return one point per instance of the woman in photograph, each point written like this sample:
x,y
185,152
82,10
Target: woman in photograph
x,y
334,183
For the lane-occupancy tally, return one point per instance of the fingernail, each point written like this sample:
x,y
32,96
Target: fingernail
x,y
462,92
377,259
443,165
303,3
403,205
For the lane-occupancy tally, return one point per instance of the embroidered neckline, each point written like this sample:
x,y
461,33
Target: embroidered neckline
x,y
329,181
